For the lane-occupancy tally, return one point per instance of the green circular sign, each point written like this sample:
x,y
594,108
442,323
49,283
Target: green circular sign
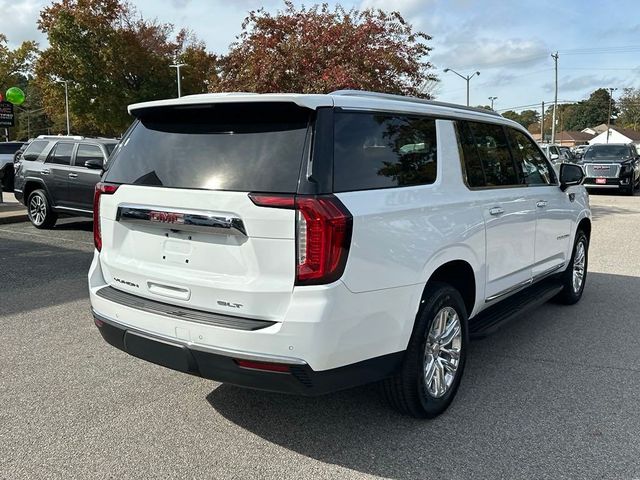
x,y
15,95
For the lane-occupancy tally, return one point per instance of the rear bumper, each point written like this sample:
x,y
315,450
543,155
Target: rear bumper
x,y
299,378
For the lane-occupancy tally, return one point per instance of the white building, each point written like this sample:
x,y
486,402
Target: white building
x,y
617,135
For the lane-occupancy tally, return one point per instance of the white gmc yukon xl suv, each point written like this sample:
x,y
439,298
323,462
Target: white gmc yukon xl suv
x,y
310,243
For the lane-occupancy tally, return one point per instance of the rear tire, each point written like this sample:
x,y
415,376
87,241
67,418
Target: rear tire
x,y
39,210
435,357
574,277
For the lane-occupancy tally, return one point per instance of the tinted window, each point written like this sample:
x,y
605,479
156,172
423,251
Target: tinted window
x,y
34,149
9,148
88,152
492,150
61,154
110,147
532,165
473,168
238,147
381,151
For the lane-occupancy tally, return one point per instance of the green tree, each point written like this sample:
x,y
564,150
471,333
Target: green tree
x,y
629,105
111,57
16,64
318,50
524,118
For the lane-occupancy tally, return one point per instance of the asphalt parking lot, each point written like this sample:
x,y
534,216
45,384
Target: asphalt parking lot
x,y
554,394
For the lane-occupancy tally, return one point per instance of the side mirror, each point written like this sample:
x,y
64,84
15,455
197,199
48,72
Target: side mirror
x,y
554,156
94,164
31,157
570,174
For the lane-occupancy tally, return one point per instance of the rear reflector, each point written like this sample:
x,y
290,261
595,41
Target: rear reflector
x,y
101,189
265,366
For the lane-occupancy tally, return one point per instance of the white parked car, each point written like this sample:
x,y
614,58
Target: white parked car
x,y
310,243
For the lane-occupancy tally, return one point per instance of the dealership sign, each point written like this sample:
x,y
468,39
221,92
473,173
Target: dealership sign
x,y
6,115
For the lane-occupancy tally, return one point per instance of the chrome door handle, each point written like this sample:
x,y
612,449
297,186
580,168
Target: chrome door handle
x,y
541,204
496,211
73,175
44,172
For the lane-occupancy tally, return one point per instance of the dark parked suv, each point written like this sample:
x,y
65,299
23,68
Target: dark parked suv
x,y
57,176
612,165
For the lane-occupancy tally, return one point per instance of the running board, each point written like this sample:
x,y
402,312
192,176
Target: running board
x,y
490,320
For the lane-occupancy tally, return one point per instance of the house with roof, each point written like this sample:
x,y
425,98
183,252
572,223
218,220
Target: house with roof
x,y
595,130
617,135
573,138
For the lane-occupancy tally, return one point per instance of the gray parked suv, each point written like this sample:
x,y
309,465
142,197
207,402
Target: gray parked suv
x,y
57,176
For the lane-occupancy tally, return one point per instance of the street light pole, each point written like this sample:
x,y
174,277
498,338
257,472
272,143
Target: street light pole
x,y
66,102
177,67
611,90
492,100
555,101
464,77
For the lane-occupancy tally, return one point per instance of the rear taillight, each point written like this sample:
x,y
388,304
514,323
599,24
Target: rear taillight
x,y
101,189
323,235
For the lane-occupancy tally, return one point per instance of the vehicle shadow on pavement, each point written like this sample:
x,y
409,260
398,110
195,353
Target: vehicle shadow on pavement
x,y
75,224
600,211
38,274
554,392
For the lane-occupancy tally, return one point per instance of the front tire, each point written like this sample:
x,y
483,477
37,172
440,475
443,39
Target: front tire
x,y
435,358
39,210
574,277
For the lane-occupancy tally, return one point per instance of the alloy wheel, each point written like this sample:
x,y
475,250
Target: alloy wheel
x,y
37,209
442,352
579,262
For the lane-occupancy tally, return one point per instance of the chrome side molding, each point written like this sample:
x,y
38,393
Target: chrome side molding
x,y
183,220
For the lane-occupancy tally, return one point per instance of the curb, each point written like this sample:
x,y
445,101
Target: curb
x,y
13,215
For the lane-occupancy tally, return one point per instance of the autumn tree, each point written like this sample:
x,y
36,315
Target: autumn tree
x,y
524,118
629,104
17,64
111,57
319,49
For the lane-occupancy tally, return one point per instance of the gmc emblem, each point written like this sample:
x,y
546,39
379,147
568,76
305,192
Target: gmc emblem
x,y
166,217
600,167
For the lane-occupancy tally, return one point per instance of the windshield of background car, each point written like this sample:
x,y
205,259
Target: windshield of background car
x,y
249,147
110,147
607,152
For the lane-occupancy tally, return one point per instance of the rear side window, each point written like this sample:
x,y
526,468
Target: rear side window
x,y
35,148
382,151
487,158
533,166
61,154
88,152
237,147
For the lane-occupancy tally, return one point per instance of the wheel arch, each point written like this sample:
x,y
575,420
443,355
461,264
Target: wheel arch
x,y
32,184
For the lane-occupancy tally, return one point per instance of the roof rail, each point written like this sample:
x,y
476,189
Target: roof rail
x,y
59,137
402,98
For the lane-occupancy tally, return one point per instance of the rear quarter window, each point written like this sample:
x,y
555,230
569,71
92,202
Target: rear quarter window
x,y
383,151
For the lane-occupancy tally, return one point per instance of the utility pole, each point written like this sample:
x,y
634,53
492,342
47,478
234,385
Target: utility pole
x,y
542,124
177,67
464,77
555,100
611,90
492,99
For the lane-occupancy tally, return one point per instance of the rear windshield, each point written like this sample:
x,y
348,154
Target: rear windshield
x,y
9,148
236,147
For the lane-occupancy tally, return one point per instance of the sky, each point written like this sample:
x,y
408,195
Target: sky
x,y
509,42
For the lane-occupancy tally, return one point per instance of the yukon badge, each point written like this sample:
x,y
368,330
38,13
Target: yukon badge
x,y
229,304
126,282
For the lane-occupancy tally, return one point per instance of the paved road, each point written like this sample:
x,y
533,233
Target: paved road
x,y
555,394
